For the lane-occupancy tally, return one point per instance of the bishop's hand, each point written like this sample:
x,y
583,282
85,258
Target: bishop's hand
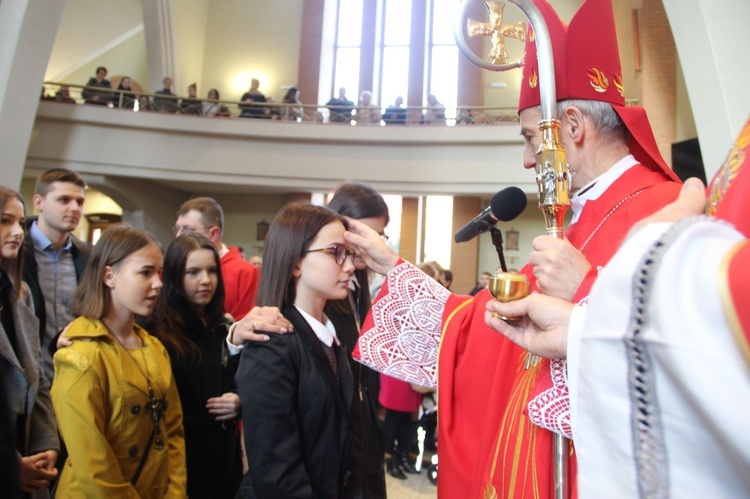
x,y
559,267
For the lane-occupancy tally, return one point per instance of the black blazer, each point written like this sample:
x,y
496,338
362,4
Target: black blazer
x,y
295,415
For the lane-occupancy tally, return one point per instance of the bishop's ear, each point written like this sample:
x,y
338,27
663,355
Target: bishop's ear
x,y
574,123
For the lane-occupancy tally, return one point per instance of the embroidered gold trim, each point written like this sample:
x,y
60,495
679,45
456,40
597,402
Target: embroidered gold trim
x,y
730,311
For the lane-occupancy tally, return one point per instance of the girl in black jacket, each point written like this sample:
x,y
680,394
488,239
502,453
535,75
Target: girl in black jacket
x,y
189,320
296,389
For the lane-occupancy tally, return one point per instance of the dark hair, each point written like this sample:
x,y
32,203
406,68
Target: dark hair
x,y
116,244
218,96
291,95
12,267
120,87
211,213
45,180
358,200
290,235
174,314
100,68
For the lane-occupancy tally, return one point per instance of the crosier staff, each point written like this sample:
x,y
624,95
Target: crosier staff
x,y
552,172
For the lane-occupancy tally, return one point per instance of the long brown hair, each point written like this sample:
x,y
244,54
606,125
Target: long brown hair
x,y
289,236
358,200
115,245
174,313
13,267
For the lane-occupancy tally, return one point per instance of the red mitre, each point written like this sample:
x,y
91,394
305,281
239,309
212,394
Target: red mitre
x,y
587,66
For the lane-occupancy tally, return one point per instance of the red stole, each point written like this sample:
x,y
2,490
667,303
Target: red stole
x,y
604,224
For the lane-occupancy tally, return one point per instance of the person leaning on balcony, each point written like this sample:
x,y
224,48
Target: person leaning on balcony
x,y
295,112
93,96
367,112
166,104
251,99
125,97
340,107
212,107
191,105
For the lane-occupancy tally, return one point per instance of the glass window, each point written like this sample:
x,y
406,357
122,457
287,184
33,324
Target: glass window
x,y
350,23
397,27
438,230
347,72
395,74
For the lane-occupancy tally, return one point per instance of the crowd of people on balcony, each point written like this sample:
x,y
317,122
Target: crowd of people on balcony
x,y
255,104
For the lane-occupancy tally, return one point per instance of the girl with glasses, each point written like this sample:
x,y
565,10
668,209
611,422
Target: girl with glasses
x,y
297,389
115,399
189,320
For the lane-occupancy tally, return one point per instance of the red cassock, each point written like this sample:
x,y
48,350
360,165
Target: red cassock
x,y
418,331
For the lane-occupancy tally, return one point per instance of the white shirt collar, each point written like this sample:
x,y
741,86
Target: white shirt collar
x,y
325,332
599,185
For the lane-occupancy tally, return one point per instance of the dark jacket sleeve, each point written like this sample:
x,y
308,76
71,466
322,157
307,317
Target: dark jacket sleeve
x,y
267,384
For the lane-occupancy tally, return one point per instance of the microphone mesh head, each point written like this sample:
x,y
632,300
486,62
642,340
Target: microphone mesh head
x,y
508,203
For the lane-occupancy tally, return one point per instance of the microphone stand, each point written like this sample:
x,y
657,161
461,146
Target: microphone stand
x,y
497,240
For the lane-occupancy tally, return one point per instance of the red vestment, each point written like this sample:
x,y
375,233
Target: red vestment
x,y
241,281
487,445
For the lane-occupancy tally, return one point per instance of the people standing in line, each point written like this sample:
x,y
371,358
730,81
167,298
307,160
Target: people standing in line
x,y
191,105
27,407
54,257
114,395
205,216
340,108
167,102
297,389
125,96
251,101
366,112
94,96
400,401
189,320
395,114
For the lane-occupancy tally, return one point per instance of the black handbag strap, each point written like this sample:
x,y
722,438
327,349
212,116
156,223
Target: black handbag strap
x,y
138,470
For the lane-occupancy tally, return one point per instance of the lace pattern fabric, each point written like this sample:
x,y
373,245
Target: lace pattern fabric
x,y
404,338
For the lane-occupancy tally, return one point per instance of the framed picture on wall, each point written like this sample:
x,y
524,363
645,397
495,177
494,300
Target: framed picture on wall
x,y
511,240
262,231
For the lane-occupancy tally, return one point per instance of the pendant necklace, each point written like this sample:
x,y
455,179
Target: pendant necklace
x,y
156,406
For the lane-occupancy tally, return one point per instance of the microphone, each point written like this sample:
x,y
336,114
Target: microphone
x,y
505,205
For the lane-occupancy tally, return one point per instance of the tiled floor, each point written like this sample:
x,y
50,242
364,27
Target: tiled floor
x,y
414,487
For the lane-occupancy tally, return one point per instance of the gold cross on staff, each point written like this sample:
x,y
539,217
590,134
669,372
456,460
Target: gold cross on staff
x,y
497,31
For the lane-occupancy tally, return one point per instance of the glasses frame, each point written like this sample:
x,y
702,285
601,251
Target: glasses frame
x,y
335,251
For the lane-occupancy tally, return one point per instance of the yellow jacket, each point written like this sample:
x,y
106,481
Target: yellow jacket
x,y
100,395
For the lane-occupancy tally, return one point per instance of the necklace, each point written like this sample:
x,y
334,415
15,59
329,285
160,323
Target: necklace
x,y
623,201
156,406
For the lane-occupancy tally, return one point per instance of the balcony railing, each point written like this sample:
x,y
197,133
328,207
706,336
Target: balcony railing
x,y
273,111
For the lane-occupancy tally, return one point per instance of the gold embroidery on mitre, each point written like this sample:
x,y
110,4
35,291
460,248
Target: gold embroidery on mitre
x,y
533,79
619,85
598,81
728,170
489,492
